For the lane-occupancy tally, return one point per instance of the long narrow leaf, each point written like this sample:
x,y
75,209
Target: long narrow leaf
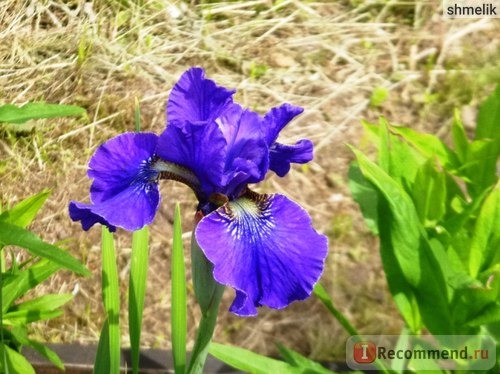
x,y
25,211
15,235
102,364
45,302
248,361
137,291
14,114
111,299
21,335
179,306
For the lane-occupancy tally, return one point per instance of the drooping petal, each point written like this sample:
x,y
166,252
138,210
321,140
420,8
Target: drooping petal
x,y
265,248
196,99
200,148
277,118
282,155
124,192
119,162
131,209
246,152
83,212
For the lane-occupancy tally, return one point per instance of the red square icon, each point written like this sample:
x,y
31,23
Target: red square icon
x,y
364,352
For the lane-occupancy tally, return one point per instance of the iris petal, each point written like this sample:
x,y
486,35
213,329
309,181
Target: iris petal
x,y
265,248
277,118
124,192
131,209
200,148
246,157
83,212
196,99
282,155
118,162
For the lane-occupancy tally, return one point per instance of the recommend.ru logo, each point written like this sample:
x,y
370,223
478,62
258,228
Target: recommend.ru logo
x,y
452,352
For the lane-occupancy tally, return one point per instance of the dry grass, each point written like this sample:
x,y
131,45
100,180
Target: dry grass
x,y
325,56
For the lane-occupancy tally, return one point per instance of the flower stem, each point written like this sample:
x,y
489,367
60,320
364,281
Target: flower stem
x,y
321,294
208,293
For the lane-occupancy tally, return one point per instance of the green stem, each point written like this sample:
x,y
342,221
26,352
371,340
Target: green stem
x,y
3,355
321,294
208,294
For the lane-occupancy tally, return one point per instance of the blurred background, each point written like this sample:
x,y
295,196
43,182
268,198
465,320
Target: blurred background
x,y
343,61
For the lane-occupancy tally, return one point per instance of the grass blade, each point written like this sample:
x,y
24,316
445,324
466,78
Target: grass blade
x,y
137,291
179,306
111,301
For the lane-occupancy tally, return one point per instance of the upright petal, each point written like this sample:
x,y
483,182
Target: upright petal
x,y
247,158
200,148
120,161
282,155
277,118
265,247
196,99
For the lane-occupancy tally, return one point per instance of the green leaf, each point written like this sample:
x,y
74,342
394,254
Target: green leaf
x,y
248,361
44,303
323,296
302,363
429,146
46,352
429,194
384,151
406,252
102,363
459,137
179,304
23,317
488,118
365,195
23,213
137,291
16,362
480,168
490,315
14,235
20,334
396,156
486,237
16,285
111,299
14,114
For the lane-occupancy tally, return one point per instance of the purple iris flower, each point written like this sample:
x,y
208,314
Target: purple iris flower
x,y
263,246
